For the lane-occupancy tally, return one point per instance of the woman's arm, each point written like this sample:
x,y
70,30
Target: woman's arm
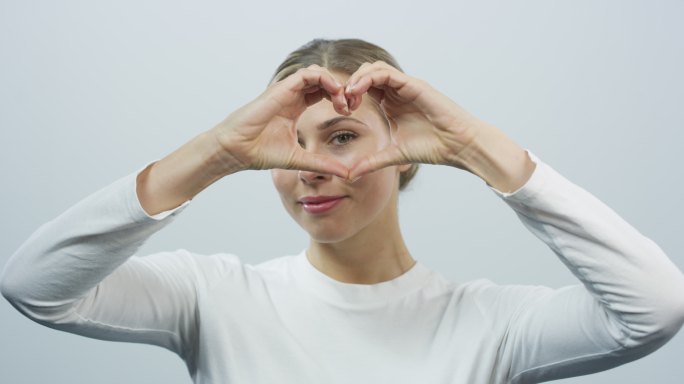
x,y
630,302
183,174
260,135
427,127
76,272
632,298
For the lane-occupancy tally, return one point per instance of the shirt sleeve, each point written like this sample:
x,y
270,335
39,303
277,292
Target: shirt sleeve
x,y
76,273
629,302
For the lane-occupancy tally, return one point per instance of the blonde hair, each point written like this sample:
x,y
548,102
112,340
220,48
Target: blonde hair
x,y
343,55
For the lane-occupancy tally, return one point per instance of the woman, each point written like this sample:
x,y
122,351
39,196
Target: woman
x,y
342,130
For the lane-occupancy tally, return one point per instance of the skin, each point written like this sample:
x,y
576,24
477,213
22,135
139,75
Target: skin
x,y
359,241
278,131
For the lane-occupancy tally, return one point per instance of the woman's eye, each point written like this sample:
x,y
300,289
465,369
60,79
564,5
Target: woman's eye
x,y
342,138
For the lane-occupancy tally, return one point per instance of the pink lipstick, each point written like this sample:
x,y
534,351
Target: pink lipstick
x,y
320,204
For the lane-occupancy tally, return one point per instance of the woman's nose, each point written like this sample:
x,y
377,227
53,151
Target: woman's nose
x,y
313,177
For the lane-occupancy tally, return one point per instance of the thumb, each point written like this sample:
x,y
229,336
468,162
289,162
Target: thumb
x,y
305,161
384,158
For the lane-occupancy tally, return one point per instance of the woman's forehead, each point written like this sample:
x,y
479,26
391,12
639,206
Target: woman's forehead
x,y
322,115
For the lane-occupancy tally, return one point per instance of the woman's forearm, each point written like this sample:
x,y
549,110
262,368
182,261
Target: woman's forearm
x,y
184,173
497,159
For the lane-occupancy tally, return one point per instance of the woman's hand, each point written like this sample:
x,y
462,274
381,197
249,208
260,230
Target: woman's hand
x,y
261,134
427,127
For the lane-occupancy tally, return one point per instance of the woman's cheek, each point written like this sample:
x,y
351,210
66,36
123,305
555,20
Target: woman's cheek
x,y
348,158
353,152
283,180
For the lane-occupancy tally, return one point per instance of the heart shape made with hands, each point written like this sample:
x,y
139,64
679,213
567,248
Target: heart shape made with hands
x,y
425,126
365,162
402,131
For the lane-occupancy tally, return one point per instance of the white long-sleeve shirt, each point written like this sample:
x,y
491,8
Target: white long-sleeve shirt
x,y
284,321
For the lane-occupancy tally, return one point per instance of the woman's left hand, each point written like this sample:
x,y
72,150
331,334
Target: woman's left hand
x,y
426,126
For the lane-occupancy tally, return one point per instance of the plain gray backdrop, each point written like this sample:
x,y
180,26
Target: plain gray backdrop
x,y
93,90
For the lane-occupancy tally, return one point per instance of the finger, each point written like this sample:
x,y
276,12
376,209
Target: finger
x,y
351,101
340,107
360,72
311,89
382,79
314,97
354,102
311,162
377,94
364,70
384,158
315,76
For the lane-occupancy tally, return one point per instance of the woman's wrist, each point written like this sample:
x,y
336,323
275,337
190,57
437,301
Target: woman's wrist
x,y
219,160
184,173
496,159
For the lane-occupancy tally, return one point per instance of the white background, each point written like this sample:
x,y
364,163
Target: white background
x,y
93,90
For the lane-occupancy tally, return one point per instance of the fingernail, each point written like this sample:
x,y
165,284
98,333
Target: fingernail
x,y
349,88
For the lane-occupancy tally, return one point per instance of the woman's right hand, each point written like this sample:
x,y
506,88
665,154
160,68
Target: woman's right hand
x,y
262,135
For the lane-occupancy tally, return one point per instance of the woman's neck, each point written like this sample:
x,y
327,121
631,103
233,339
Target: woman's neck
x,y
375,254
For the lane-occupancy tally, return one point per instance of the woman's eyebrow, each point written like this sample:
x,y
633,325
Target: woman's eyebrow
x,y
329,123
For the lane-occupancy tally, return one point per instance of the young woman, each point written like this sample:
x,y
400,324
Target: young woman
x,y
342,130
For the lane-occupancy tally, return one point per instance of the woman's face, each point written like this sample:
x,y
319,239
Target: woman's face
x,y
327,207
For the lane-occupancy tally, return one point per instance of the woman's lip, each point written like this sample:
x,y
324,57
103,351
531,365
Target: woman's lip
x,y
317,199
310,206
